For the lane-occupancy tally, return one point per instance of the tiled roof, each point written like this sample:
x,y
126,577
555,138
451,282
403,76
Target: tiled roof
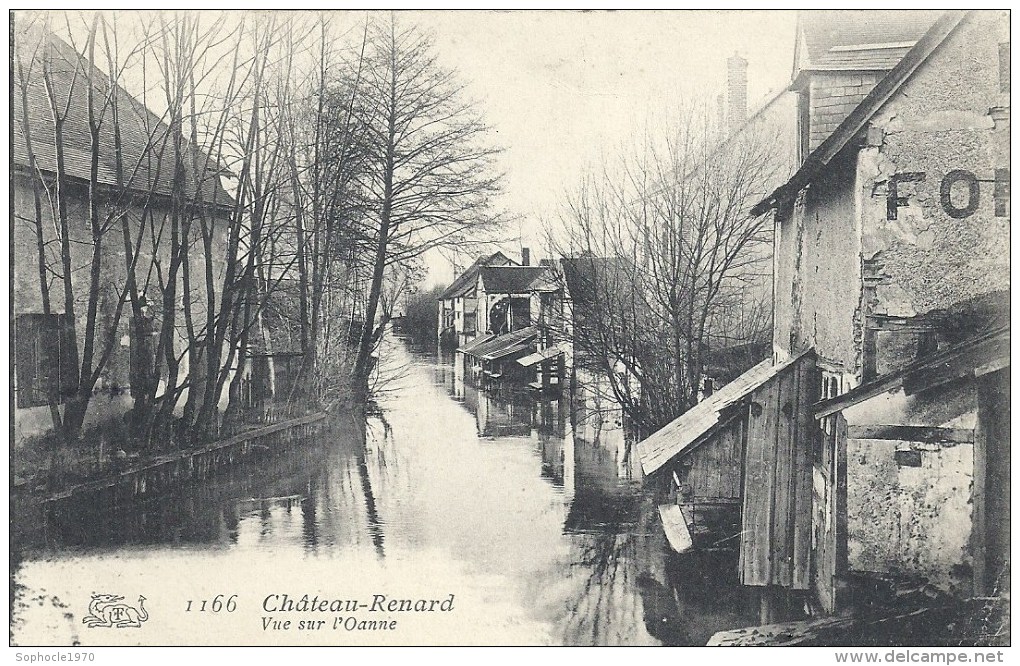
x,y
465,282
861,39
147,142
510,279
673,438
491,347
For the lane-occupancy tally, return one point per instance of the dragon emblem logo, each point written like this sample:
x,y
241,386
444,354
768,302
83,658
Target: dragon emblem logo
x,y
108,610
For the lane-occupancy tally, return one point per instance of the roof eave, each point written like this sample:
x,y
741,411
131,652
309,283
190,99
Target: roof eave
x,y
995,343
863,112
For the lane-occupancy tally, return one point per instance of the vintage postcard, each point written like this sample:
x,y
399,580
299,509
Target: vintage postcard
x,y
506,328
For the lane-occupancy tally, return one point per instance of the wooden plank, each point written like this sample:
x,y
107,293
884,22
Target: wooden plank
x,y
713,501
839,503
978,530
753,473
910,325
809,385
755,550
739,444
674,524
993,366
819,631
825,552
781,559
715,466
905,433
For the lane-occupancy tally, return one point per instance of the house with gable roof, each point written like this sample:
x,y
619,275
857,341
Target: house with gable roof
x,y
458,303
871,445
891,266
137,188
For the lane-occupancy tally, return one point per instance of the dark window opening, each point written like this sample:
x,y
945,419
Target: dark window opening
x,y
910,458
804,123
44,358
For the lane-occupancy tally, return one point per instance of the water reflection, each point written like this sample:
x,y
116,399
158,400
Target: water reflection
x,y
533,507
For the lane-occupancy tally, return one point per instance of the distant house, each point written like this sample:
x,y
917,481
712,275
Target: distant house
x,y
457,304
503,316
868,441
503,298
585,279
567,309
135,181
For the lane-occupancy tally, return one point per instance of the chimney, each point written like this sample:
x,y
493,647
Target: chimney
x,y
736,84
525,256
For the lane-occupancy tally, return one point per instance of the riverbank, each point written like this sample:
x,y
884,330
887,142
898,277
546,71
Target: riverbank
x,y
125,480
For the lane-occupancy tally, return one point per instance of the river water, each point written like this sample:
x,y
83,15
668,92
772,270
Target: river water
x,y
531,516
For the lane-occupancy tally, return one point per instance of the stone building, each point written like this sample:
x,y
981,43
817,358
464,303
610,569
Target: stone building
x,y
876,446
892,266
135,190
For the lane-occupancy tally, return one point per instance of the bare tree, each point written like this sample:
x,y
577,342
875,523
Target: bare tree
x,y
82,101
346,155
431,176
669,262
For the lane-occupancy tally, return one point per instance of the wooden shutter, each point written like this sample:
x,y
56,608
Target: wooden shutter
x,y
45,346
26,358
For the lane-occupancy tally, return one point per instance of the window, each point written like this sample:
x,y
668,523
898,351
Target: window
x,y
44,359
804,122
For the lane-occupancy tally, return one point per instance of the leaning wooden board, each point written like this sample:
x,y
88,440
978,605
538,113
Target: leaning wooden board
x,y
674,524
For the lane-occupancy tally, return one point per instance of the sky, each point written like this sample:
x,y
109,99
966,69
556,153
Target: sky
x,y
564,90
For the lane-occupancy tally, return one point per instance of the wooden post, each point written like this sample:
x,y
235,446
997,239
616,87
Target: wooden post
x,y
978,530
767,610
842,534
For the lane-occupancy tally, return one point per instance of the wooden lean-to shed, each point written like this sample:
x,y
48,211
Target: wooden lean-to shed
x,y
775,547
699,462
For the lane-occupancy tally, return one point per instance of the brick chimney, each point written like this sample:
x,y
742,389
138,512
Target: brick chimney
x,y
525,256
736,90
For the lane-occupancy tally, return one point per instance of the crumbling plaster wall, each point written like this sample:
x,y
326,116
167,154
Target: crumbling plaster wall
x,y
914,521
909,520
951,115
818,269
948,116
837,242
